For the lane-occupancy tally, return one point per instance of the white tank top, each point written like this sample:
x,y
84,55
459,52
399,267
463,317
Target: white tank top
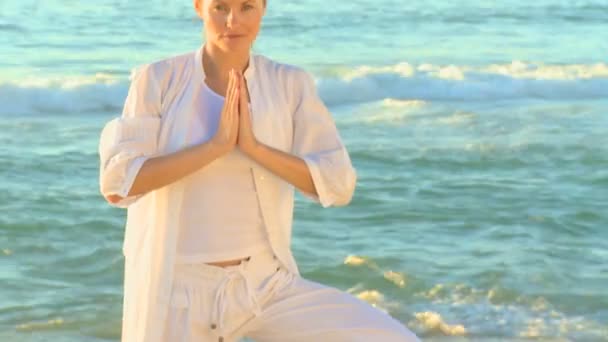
x,y
221,217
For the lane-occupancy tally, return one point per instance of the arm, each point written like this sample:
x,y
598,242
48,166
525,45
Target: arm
x,y
317,142
131,164
160,171
290,168
128,141
319,165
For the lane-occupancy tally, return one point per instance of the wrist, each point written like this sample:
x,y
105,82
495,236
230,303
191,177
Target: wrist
x,y
217,148
252,149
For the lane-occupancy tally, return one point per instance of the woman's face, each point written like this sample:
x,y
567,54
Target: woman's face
x,y
231,24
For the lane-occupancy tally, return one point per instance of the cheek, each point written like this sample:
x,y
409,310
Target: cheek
x,y
214,23
254,23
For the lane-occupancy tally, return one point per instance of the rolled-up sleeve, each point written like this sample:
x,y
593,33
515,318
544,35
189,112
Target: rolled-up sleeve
x,y
126,142
317,141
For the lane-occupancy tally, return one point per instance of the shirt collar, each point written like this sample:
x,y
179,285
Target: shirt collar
x,y
200,71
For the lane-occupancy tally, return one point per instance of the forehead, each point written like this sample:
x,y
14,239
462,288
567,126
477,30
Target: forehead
x,y
236,2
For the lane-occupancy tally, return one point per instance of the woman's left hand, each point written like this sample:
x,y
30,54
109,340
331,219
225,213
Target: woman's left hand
x,y
246,139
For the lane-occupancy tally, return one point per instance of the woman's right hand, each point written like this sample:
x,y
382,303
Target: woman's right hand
x,y
227,131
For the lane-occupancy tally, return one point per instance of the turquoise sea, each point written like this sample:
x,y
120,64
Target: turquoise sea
x,y
479,131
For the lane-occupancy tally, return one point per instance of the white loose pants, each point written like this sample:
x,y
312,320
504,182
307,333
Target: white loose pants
x,y
263,301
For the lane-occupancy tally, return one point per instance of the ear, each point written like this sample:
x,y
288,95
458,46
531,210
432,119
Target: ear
x,y
198,7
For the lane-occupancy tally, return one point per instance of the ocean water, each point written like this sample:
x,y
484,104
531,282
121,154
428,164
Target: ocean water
x,y
479,131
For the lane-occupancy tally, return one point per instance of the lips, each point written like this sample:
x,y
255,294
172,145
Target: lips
x,y
231,36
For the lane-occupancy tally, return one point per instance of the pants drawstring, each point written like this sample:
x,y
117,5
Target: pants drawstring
x,y
219,305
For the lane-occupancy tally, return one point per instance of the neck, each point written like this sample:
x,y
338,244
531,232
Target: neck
x,y
217,63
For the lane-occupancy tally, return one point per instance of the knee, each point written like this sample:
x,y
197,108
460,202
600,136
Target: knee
x,y
384,327
365,335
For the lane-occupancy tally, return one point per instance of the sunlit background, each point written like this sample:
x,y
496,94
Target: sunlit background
x,y
479,131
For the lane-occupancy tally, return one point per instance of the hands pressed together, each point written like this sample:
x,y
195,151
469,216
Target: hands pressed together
x,y
235,128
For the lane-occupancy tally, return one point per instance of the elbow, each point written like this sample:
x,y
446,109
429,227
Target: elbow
x,y
335,186
344,200
340,191
113,199
113,196
347,192
110,187
119,201
117,180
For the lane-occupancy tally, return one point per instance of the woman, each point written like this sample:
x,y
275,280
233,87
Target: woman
x,y
206,156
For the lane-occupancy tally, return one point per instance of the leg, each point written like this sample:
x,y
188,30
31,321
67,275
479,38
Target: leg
x,y
180,326
309,311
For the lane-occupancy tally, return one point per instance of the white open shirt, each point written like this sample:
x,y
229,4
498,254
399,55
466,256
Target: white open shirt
x,y
287,114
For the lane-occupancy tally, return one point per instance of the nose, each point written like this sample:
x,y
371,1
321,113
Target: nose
x,y
232,19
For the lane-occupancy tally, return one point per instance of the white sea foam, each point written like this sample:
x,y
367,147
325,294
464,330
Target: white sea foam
x,y
43,325
433,322
401,85
428,82
355,260
459,309
375,298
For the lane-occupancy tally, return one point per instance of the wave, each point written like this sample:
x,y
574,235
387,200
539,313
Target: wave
x,y
99,93
399,82
490,311
428,82
512,12
433,322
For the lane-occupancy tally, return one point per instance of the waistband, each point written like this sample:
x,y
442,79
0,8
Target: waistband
x,y
203,257
251,270
203,271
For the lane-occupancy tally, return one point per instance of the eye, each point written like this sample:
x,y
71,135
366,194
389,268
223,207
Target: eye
x,y
247,7
220,8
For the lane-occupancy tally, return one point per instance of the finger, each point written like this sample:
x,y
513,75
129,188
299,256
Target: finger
x,y
233,89
229,99
241,87
237,93
243,101
228,91
232,105
235,98
230,82
234,80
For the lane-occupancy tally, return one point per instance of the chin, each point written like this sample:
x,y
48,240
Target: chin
x,y
235,45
